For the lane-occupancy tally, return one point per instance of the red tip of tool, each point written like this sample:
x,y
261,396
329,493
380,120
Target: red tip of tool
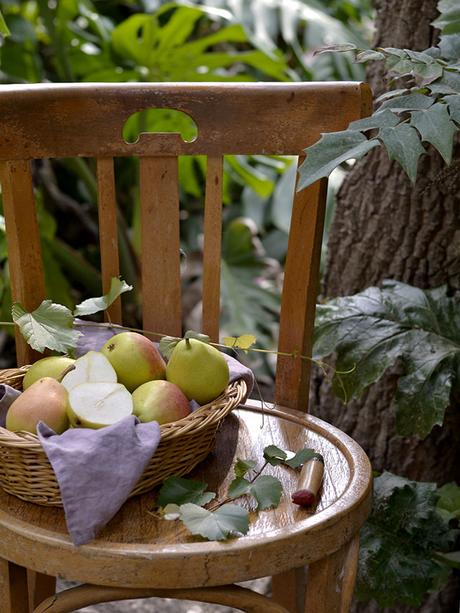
x,y
304,498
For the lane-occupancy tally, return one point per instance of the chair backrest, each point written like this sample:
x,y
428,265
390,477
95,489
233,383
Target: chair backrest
x,y
53,120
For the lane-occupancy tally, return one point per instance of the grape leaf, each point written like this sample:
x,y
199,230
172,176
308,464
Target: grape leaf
x,y
436,127
331,150
215,525
167,345
274,455
302,456
243,466
397,561
240,342
403,145
94,305
239,487
49,326
372,329
177,490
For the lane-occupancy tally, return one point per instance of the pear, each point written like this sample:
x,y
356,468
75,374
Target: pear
x,y
160,401
46,401
93,367
95,405
199,369
54,367
135,359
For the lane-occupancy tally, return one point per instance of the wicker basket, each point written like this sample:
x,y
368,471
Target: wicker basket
x,y
26,472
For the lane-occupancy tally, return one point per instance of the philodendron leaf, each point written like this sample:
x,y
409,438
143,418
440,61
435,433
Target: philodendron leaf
x,y
244,466
331,150
177,490
215,525
399,543
436,127
94,305
371,330
403,145
50,326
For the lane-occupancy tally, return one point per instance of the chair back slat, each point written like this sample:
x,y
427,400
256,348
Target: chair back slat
x,y
300,290
24,249
160,245
212,247
108,234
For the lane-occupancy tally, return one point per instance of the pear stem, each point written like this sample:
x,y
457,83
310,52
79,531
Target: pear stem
x,y
187,342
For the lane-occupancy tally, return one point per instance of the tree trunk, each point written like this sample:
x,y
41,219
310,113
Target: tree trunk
x,y
385,228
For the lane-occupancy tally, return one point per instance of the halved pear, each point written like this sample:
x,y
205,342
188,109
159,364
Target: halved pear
x,y
95,405
93,367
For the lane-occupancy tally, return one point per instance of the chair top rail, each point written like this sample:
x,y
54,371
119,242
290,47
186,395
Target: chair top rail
x,y
86,119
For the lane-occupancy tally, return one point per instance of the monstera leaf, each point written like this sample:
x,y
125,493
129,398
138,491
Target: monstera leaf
x,y
371,330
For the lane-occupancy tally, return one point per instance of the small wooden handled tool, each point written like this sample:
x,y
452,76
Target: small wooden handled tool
x,y
310,479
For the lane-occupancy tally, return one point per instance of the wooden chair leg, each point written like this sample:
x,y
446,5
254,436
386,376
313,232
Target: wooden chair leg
x,y
14,596
331,581
40,587
288,589
230,595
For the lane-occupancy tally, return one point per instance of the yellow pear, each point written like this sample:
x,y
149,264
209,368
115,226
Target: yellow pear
x,y
53,366
46,401
200,370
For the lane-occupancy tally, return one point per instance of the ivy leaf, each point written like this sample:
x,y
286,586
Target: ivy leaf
x,y
331,150
267,491
383,119
411,102
403,145
167,345
94,305
436,127
215,525
449,19
302,456
451,559
50,326
339,48
244,466
371,330
369,55
204,338
240,342
397,560
453,103
177,490
449,501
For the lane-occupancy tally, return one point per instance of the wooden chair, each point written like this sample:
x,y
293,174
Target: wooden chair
x,y
136,555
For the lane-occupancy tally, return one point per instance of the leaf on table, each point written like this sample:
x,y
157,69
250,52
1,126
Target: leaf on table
x,y
399,542
436,127
94,305
302,456
371,330
244,341
50,326
215,525
331,150
274,455
177,490
403,145
243,466
239,487
267,491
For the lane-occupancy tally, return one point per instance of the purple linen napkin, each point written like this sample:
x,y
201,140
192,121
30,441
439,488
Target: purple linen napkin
x,y
7,396
97,469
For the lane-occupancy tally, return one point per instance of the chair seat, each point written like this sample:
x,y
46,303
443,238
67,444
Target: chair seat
x,y
138,550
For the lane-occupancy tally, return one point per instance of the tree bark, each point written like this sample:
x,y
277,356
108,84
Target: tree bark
x,y
385,228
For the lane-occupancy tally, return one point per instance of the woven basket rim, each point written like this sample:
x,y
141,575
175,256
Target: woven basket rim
x,y
206,414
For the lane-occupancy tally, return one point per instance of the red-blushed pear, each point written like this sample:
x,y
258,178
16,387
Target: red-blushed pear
x,y
160,401
46,401
200,370
53,366
136,359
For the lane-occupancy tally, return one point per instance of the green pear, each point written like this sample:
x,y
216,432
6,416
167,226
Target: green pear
x,y
136,359
46,401
95,405
54,367
199,369
160,401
